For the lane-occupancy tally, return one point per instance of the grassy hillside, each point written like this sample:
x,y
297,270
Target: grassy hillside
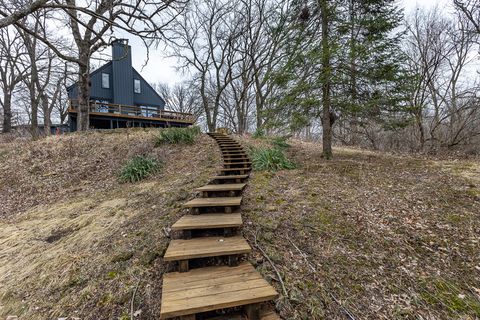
x,y
74,242
370,234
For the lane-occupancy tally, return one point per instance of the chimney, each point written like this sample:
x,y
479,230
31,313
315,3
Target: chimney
x,y
122,72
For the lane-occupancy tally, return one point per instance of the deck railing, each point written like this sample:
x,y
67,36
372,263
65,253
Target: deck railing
x,y
137,111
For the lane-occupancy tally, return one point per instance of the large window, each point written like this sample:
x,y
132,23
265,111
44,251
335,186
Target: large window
x,y
105,80
136,86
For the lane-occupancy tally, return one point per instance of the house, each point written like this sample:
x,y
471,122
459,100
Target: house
x,y
120,97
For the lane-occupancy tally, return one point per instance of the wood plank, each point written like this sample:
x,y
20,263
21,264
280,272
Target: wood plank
x,y
229,163
223,187
206,247
208,221
213,288
234,169
227,177
214,202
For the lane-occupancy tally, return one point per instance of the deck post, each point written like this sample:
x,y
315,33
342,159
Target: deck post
x,y
233,260
253,311
183,265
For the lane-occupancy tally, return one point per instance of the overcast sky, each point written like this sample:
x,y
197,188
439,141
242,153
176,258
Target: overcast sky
x,y
162,69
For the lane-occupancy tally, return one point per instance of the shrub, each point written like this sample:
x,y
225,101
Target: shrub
x,y
138,168
259,133
177,135
280,143
271,159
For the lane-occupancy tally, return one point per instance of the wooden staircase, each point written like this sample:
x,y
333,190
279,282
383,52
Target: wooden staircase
x,y
208,251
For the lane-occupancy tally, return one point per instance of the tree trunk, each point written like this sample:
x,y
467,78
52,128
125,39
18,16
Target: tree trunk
x,y
47,122
83,96
326,70
7,113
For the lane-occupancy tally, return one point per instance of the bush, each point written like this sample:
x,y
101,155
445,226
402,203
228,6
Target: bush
x,y
272,159
177,135
280,143
138,168
259,133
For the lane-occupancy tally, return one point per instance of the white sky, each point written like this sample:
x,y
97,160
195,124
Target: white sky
x,y
162,69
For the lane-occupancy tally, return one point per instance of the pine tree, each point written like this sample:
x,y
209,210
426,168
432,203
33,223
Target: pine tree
x,y
343,62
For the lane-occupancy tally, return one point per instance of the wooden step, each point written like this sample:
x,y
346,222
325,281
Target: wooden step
x,y
235,169
208,221
235,156
223,187
213,202
205,247
230,149
213,288
225,177
229,163
227,155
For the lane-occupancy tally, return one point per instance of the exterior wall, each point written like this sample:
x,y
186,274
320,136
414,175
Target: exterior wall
x,y
96,90
148,96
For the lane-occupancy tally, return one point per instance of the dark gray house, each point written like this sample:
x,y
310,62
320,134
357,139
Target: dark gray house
x,y
120,97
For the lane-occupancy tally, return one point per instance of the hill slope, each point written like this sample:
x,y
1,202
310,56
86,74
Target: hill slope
x,y
75,242
370,234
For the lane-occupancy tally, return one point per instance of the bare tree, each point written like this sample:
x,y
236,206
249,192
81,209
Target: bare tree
x,y
204,40
439,50
13,11
12,56
471,10
180,97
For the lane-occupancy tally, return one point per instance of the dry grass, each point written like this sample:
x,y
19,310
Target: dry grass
x,y
73,241
375,235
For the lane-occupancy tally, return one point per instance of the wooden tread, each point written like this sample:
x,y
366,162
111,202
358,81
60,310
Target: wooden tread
x,y
206,247
208,221
213,288
226,177
214,202
228,163
223,187
235,169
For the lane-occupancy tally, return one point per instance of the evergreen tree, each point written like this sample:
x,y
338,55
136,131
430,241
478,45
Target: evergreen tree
x,y
344,61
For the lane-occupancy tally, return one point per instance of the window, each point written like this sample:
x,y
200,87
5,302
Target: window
x,y
105,80
136,86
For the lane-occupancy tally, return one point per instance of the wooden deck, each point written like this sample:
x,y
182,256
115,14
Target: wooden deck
x,y
134,113
213,288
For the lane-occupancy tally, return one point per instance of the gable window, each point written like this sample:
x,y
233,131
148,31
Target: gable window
x,y
105,80
136,86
